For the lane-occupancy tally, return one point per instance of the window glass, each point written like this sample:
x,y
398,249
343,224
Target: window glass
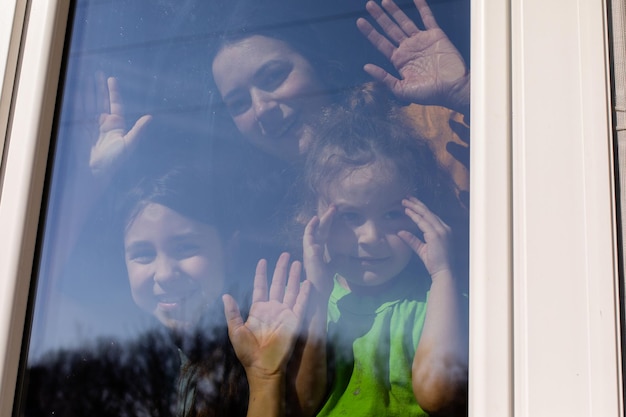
x,y
261,199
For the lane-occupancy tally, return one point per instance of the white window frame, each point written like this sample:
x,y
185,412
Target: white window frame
x,y
545,336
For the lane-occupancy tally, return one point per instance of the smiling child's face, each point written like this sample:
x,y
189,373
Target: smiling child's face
x,y
363,243
272,93
175,265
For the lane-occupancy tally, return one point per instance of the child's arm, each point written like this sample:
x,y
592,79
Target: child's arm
x,y
265,341
439,370
432,70
310,363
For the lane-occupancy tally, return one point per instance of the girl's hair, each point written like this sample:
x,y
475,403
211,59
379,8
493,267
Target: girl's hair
x,y
183,189
368,127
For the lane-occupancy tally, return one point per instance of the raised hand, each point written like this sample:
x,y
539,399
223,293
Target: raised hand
x,y
265,341
434,250
314,245
432,70
114,142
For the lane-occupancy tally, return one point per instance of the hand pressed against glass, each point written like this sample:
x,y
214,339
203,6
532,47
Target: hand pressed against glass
x,y
114,142
272,92
265,340
432,70
175,265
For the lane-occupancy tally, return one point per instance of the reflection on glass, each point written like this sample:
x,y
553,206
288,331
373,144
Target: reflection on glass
x,y
257,208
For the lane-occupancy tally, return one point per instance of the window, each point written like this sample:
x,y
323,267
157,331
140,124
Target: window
x,y
527,335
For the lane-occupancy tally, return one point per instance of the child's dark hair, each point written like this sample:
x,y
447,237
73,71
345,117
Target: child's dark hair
x,y
183,189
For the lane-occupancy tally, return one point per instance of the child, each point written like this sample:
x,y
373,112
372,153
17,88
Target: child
x,y
174,257
394,315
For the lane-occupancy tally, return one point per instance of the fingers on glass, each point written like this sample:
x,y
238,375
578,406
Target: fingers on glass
x,y
259,292
426,14
232,313
293,284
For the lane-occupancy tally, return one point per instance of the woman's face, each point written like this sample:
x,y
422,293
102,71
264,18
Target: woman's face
x,y
272,93
175,265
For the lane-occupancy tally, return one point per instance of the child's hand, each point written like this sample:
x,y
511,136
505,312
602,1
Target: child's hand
x,y
265,341
114,142
314,245
432,70
434,251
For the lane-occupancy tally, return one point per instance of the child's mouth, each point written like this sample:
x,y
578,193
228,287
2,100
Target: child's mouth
x,y
370,261
171,302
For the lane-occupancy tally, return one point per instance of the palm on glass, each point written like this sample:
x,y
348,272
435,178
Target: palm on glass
x,y
114,142
265,341
434,250
432,70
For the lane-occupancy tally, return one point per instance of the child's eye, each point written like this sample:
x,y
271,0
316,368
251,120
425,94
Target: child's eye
x,y
273,76
394,215
185,250
350,217
144,256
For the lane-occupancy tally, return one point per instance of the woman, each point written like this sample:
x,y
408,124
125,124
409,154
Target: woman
x,y
275,78
274,81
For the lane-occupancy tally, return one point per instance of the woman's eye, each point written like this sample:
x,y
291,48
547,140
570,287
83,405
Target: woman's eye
x,y
274,76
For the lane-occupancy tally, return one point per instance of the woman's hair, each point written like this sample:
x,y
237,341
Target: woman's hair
x,y
368,127
288,22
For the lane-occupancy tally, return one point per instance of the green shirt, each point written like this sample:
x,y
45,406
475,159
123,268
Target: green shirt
x,y
374,339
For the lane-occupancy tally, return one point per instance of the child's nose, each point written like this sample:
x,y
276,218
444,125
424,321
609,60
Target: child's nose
x,y
165,269
369,233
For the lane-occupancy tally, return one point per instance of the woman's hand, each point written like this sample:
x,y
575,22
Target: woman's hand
x,y
432,70
314,245
434,250
265,341
114,142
